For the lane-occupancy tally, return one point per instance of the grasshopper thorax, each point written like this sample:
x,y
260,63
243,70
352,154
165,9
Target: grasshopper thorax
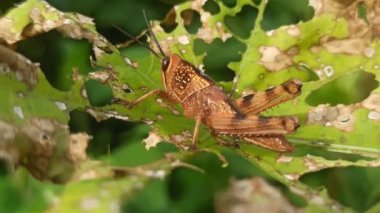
x,y
181,78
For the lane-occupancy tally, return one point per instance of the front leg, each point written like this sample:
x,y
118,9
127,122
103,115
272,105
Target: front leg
x,y
196,132
128,104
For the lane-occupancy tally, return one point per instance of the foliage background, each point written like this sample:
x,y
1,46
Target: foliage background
x,y
119,143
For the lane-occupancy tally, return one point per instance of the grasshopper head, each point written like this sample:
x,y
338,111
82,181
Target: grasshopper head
x,y
168,66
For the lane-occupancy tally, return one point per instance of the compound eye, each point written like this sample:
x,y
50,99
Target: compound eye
x,y
165,63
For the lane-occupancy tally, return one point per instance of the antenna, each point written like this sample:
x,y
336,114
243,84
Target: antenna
x,y
153,36
136,40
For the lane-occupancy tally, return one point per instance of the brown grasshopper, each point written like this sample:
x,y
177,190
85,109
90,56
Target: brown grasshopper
x,y
203,101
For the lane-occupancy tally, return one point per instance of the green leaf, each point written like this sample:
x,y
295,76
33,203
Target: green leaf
x,y
259,70
328,48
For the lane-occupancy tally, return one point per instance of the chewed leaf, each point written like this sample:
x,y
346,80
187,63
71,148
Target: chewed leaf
x,y
333,45
248,194
304,51
34,17
342,88
34,113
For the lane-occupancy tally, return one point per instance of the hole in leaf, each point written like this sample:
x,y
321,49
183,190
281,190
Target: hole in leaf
x,y
117,139
279,12
312,75
121,36
191,20
98,94
180,180
200,46
57,56
135,52
105,134
347,185
124,14
348,89
362,12
310,149
44,137
242,23
257,2
5,167
212,7
217,57
8,4
126,89
169,24
229,3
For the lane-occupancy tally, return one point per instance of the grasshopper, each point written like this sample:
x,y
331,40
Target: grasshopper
x,y
205,102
